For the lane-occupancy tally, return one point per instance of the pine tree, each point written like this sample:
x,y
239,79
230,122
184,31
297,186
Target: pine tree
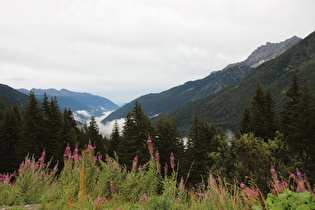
x,y
201,142
52,116
245,125
259,122
10,134
31,141
69,131
95,137
136,131
115,140
168,141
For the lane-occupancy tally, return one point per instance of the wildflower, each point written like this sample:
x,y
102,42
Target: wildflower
x,y
298,173
200,194
272,170
134,163
242,185
140,168
144,197
100,200
292,175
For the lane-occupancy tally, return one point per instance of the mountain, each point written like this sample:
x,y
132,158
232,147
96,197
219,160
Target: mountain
x,y
226,107
156,103
11,97
82,104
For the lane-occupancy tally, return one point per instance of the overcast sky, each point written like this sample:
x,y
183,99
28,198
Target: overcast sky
x,y
122,49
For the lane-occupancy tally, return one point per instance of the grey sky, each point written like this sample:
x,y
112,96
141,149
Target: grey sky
x,y
123,49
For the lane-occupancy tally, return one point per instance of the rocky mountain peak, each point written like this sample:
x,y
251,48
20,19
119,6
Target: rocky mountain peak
x,y
267,52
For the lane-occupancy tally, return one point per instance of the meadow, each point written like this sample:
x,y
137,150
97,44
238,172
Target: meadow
x,y
90,181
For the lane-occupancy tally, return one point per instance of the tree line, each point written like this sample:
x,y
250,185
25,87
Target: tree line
x,y
266,137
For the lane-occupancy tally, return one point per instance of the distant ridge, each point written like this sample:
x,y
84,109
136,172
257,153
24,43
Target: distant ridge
x,y
76,101
158,103
11,97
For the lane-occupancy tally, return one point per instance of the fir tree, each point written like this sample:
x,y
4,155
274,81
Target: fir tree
x,y
168,141
31,141
10,134
136,131
201,142
115,140
95,137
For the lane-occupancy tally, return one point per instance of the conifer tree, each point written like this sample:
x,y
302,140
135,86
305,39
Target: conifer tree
x,y
136,131
201,142
31,141
69,131
52,116
10,133
95,137
115,140
245,125
168,141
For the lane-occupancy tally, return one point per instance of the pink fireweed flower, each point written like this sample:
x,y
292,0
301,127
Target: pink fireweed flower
x,y
172,161
99,157
100,200
273,170
144,197
134,163
298,173
200,194
90,146
242,185
140,168
292,175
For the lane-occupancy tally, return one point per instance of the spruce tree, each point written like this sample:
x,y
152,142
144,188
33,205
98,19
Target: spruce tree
x,y
168,141
31,141
136,131
201,142
115,140
10,134
245,125
95,137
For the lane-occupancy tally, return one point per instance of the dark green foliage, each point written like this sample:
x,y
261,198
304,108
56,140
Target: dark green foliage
x,y
115,140
10,133
136,131
31,141
259,119
11,97
249,156
202,141
168,141
94,136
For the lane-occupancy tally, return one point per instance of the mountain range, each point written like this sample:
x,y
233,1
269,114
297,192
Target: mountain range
x,y
157,103
84,105
226,107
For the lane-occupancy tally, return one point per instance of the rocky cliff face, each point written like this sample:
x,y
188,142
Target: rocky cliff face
x,y
267,52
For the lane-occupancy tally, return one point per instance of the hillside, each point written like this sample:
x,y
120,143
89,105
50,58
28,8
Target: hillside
x,y
11,97
226,107
156,103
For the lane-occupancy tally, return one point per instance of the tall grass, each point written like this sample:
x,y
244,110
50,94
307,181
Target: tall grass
x,y
89,181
